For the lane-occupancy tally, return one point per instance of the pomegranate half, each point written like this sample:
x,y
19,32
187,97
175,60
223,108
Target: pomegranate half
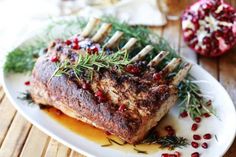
x,y
209,27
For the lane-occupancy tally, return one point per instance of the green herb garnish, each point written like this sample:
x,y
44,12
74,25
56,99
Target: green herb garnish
x,y
140,151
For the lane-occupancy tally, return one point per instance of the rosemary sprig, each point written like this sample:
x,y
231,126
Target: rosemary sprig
x,y
93,63
170,142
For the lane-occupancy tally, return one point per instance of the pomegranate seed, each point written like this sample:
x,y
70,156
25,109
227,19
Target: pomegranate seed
x,y
194,127
196,137
76,41
27,83
206,115
205,145
68,42
184,114
165,155
132,69
157,76
99,93
195,154
194,144
101,98
172,155
86,86
197,119
178,154
54,59
76,46
122,107
207,136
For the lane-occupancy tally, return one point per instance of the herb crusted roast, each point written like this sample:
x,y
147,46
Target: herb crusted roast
x,y
126,97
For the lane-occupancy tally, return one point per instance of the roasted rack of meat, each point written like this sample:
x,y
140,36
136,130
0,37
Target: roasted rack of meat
x,y
127,104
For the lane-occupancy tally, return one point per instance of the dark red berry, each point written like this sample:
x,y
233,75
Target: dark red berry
x,y
122,107
132,69
101,98
206,115
195,154
197,119
194,144
54,59
99,93
194,127
207,136
178,154
184,114
196,137
86,86
204,145
157,76
165,155
172,155
76,46
76,41
27,83
68,42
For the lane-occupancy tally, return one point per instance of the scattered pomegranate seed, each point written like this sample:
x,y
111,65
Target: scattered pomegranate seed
x,y
204,145
68,42
184,114
194,127
194,144
196,137
206,115
197,119
207,136
86,86
76,41
165,155
132,69
99,93
172,155
76,46
101,99
27,83
122,107
92,50
170,130
54,59
195,154
157,76
178,154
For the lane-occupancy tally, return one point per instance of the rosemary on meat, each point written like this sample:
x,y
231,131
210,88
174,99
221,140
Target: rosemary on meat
x,y
22,59
93,63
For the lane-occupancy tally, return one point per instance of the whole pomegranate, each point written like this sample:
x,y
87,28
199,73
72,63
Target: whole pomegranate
x,y
209,27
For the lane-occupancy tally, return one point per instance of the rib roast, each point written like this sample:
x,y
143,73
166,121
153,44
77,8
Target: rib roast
x,y
126,103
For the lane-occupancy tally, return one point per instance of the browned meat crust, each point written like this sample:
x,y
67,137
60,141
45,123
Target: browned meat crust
x,y
146,101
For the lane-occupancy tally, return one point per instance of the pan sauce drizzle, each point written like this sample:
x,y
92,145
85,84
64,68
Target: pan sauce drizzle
x,y
94,134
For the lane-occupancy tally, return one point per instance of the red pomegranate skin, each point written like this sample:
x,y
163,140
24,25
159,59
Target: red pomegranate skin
x,y
209,27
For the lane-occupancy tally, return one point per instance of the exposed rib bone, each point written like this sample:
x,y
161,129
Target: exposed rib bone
x,y
114,40
159,57
181,74
130,44
142,53
102,32
172,65
90,26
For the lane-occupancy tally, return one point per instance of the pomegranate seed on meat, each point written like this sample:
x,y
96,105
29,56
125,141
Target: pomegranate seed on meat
x,y
86,86
132,69
157,76
209,27
207,136
196,137
54,59
194,144
99,93
122,107
195,154
204,145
